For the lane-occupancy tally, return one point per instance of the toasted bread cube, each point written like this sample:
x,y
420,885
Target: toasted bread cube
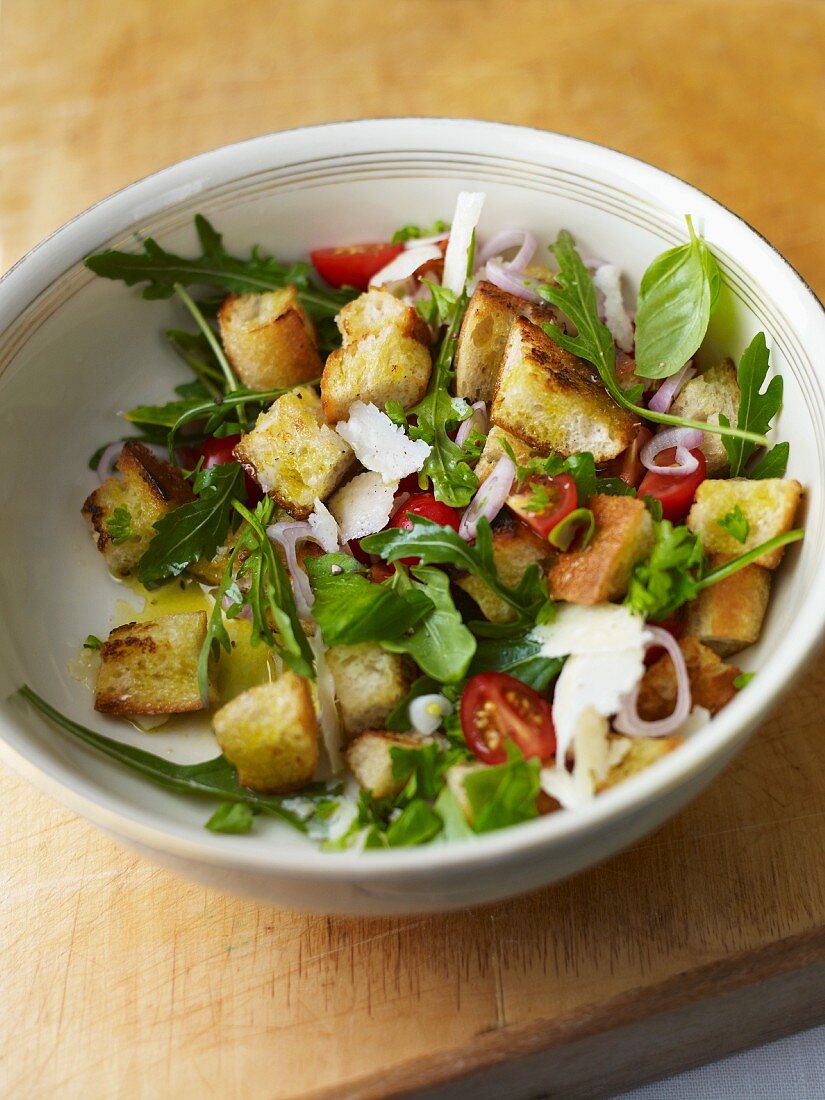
x,y
152,667
727,616
293,454
377,368
148,488
483,336
493,450
554,401
269,339
711,682
703,398
601,572
643,752
515,548
370,760
369,682
270,734
376,310
769,505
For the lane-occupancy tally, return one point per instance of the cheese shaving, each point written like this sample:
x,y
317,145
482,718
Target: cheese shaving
x,y
363,505
380,445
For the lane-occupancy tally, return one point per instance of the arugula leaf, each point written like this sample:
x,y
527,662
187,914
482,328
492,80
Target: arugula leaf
x,y
581,467
756,410
437,545
217,636
420,771
520,657
214,778
231,817
332,565
451,814
441,645
215,267
736,524
350,609
418,823
504,794
216,412
676,298
574,294
415,232
670,575
92,642
196,529
773,463
119,525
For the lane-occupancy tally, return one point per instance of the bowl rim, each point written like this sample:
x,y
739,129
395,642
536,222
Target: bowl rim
x,y
720,738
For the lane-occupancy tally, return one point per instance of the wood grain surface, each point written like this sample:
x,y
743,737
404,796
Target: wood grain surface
x,y
122,981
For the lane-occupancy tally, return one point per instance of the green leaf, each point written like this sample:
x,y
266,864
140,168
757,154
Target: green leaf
x,y
215,267
756,409
743,679
196,352
92,642
420,770
676,298
350,609
231,817
579,520
520,657
417,824
670,575
244,404
504,794
214,778
736,524
195,529
728,568
416,232
119,525
441,645
451,814
773,463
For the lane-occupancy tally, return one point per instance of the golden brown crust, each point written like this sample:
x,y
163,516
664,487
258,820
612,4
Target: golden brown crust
x,y
727,616
711,682
269,339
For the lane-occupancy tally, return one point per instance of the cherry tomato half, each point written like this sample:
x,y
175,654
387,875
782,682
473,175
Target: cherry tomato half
x,y
496,708
424,504
628,466
675,493
217,452
542,502
355,264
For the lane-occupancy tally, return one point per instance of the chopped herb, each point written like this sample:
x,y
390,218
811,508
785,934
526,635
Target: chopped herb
x,y
743,679
736,524
669,576
119,525
92,642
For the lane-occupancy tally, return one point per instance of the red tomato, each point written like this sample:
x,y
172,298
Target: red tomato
x,y
358,553
673,626
381,572
545,501
217,452
628,466
496,708
424,504
409,484
355,264
675,493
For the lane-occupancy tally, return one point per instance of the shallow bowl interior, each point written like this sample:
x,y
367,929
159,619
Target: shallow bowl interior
x,y
75,351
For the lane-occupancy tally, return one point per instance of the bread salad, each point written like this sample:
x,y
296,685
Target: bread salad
x,y
483,537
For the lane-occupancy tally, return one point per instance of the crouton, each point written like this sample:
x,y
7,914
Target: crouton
x,y
769,506
152,667
727,616
493,450
601,572
270,734
379,367
147,489
711,682
269,339
211,570
642,752
377,310
370,760
369,682
515,548
554,401
483,336
293,454
703,398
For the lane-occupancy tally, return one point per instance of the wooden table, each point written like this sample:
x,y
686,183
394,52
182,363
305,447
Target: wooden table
x,y
120,980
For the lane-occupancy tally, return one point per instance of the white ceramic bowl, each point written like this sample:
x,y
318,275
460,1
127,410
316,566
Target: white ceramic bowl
x,y
75,350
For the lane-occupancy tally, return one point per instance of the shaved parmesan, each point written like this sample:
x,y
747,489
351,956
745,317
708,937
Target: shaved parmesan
x,y
457,257
406,264
324,527
595,754
380,445
608,279
603,628
363,505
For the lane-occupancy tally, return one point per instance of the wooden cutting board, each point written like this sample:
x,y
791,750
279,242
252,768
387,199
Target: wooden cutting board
x,y
122,981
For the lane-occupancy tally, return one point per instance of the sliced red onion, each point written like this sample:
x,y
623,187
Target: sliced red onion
x,y
628,720
519,285
478,420
664,397
510,238
427,711
405,264
490,498
684,440
419,242
227,603
287,534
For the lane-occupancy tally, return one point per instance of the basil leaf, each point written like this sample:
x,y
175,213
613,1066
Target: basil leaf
x,y
441,645
417,824
676,296
350,609
756,410
504,794
196,529
520,657
231,817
